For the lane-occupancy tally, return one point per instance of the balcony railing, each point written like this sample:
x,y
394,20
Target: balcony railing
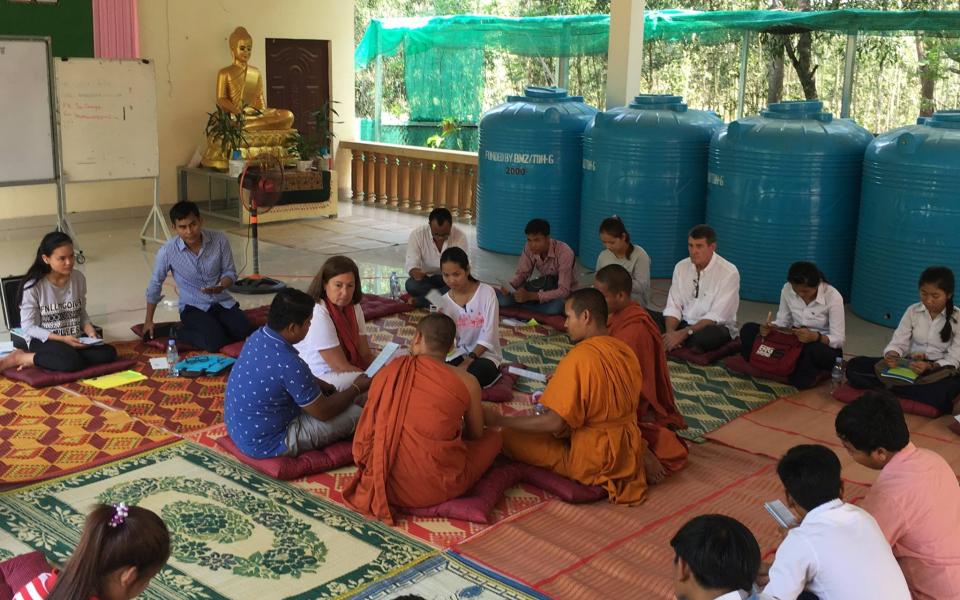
x,y
411,178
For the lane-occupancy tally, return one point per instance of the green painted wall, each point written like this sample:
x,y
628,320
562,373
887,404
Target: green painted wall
x,y
69,23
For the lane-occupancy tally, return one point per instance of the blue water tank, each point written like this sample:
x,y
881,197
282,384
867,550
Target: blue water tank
x,y
646,163
909,214
531,150
785,186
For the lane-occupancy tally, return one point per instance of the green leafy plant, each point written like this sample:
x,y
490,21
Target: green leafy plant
x,y
226,127
449,129
304,146
324,118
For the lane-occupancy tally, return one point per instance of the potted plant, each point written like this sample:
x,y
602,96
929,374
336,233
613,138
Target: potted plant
x,y
304,148
227,128
323,119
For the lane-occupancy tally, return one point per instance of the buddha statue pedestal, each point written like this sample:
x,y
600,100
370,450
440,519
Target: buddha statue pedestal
x,y
266,141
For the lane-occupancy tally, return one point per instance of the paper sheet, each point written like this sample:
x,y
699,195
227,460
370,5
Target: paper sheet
x,y
388,351
105,382
159,363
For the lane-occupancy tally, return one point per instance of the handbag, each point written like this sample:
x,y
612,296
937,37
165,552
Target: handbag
x,y
776,353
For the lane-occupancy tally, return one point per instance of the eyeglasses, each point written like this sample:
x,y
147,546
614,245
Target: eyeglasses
x,y
696,286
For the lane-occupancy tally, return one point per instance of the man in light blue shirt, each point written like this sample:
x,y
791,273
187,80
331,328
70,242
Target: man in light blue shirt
x,y
202,266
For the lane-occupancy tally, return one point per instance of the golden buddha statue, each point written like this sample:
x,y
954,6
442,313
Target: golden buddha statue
x,y
240,88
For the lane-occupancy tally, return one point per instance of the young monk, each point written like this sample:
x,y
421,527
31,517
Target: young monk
x,y
420,440
657,414
589,432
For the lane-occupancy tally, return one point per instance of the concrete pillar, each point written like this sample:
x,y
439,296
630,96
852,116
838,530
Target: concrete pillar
x,y
625,53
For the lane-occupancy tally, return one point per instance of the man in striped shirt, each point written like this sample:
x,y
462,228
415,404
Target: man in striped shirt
x,y
202,266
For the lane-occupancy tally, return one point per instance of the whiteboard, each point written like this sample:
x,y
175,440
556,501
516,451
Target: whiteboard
x,y
108,119
26,130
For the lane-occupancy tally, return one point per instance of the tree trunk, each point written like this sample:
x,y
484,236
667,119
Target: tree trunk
x,y
928,81
775,69
802,59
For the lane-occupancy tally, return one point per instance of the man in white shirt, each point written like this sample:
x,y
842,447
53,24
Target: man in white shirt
x,y
701,310
715,558
424,248
838,551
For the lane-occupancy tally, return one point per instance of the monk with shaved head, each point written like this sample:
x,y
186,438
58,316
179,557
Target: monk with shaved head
x,y
421,439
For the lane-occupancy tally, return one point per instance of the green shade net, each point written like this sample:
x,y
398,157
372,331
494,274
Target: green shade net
x,y
443,56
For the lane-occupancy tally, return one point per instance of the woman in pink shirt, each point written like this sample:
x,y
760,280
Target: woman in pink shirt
x,y
916,498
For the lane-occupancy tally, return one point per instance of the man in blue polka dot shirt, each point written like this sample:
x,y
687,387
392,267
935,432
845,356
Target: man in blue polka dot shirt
x,y
274,406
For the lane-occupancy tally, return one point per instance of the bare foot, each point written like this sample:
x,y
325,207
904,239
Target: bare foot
x,y
655,470
17,358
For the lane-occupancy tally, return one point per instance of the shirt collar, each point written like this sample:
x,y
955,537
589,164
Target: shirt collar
x,y
551,250
734,595
275,336
835,503
905,453
182,245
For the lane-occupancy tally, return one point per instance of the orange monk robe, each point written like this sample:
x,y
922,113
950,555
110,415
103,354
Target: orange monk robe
x,y
634,326
595,389
408,446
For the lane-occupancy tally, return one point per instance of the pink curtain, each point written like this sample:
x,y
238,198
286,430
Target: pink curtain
x,y
116,32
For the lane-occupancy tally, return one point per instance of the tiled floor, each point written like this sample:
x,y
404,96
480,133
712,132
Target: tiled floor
x,y
118,267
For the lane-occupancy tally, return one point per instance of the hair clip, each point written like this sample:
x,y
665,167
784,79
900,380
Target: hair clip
x,y
120,514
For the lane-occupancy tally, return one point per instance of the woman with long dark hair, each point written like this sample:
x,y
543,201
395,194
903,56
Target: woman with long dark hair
x,y
336,348
121,549
812,310
619,250
926,342
474,308
58,334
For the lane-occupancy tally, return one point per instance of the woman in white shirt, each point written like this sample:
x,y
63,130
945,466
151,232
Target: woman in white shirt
x,y
620,251
57,332
335,347
812,310
473,306
927,340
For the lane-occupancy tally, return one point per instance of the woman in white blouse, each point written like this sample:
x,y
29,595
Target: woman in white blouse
x,y
927,338
812,310
335,348
619,250
474,308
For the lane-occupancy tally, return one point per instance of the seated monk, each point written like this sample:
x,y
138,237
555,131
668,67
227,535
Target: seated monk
x,y
589,431
420,440
240,88
657,414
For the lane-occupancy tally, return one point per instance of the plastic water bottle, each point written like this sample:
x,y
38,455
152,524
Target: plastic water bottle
x,y
173,357
837,375
538,409
394,286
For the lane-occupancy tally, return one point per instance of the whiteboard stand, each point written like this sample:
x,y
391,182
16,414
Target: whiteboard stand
x,y
155,219
63,224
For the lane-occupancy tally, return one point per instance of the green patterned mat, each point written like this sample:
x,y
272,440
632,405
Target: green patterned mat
x,y
236,533
707,397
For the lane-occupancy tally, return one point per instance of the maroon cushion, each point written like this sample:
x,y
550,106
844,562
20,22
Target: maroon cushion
x,y
257,317
20,570
477,504
502,390
561,487
705,358
846,393
233,350
737,364
558,322
375,307
37,377
954,426
337,454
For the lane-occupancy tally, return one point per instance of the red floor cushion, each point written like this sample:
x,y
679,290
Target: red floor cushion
x,y
846,393
737,364
477,504
705,358
502,390
20,570
337,454
233,350
257,317
375,307
38,378
558,322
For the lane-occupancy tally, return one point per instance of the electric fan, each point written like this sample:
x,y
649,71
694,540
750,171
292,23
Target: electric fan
x,y
261,184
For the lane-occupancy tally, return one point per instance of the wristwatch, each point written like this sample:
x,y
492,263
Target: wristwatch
x,y
472,355
689,331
